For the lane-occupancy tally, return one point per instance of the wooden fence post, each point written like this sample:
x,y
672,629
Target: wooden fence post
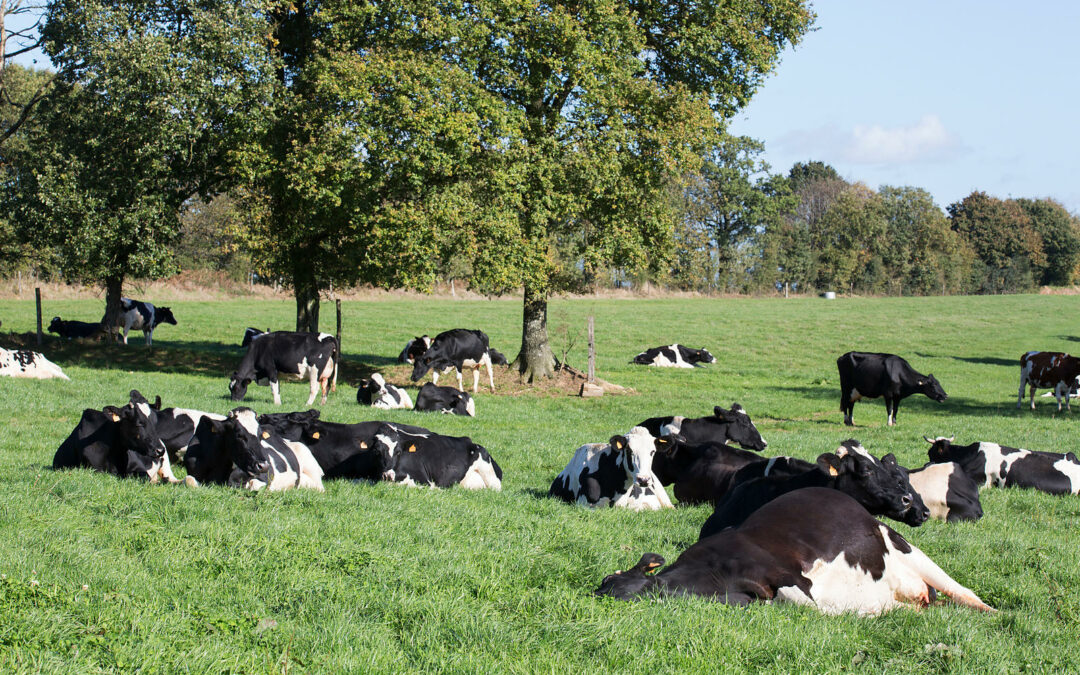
x,y
37,297
589,388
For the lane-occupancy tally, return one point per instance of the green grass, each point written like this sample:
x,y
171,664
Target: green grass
x,y
380,578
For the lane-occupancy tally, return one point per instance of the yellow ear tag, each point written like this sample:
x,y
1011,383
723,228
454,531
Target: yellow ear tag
x,y
363,445
266,434
115,417
315,435
833,471
618,445
653,565
412,448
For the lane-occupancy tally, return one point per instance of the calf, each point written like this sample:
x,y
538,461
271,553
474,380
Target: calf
x,y
881,486
455,350
299,354
435,460
1048,370
724,426
869,375
376,393
28,364
139,315
990,464
814,546
616,473
433,398
701,473
414,349
75,329
673,356
949,493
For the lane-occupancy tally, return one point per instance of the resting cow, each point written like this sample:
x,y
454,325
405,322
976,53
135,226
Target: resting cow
x,y
139,315
815,546
28,364
617,473
990,464
310,355
724,426
75,329
701,473
433,398
673,356
1048,370
456,350
867,375
435,460
376,393
949,493
176,427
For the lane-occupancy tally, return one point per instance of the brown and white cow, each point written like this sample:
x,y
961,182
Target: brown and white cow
x,y
1048,370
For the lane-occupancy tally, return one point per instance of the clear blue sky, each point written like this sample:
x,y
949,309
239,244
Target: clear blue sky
x,y
947,95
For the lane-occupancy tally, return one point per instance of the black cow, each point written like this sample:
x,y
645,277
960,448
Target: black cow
x,y
414,349
673,356
433,398
435,460
990,464
455,350
75,329
701,472
815,546
139,315
866,375
724,426
250,334
881,486
949,493
773,467
282,352
376,393
617,473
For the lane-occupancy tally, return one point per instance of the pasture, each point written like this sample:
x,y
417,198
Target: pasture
x,y
104,575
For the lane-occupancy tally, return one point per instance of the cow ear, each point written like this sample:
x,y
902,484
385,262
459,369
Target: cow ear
x,y
112,412
719,413
618,442
667,444
831,463
889,459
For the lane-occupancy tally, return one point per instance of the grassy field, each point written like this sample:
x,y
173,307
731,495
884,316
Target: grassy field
x,y
104,575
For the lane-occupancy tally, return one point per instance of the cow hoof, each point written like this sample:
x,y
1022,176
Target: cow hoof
x,y
191,482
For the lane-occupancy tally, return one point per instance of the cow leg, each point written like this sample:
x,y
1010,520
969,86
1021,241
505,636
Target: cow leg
x,y
435,377
324,385
460,386
165,470
491,375
890,408
1032,397
313,380
124,338
1020,394
475,378
149,335
275,389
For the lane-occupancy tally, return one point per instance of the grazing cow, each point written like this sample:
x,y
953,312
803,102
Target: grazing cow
x,y
139,315
949,493
1048,370
990,464
414,349
866,375
433,398
376,393
815,546
435,460
616,473
75,329
881,486
724,426
455,350
673,356
701,473
250,334
28,364
119,440
300,354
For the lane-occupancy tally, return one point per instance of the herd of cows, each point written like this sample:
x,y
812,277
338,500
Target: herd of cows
x,y
763,541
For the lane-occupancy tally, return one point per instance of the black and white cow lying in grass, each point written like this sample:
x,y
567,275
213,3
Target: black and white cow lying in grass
x,y
990,464
814,546
673,356
433,398
176,427
949,493
702,472
282,352
139,315
434,460
376,393
28,364
724,426
456,350
414,349
75,329
617,473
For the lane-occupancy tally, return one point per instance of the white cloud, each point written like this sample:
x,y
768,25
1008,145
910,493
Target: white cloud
x,y
926,140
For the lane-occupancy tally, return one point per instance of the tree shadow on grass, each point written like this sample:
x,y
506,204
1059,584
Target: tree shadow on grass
x,y
1070,338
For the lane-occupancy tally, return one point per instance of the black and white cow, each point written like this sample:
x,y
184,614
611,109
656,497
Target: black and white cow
x,y
250,334
949,493
617,473
414,349
433,398
673,356
119,440
435,460
868,375
456,350
881,486
28,364
282,352
75,329
1048,370
990,464
725,426
139,315
701,473
176,427
376,393
815,547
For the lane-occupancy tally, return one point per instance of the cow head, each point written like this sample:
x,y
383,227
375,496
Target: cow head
x,y
941,449
739,427
626,585
387,444
136,425
431,358
163,315
882,486
253,468
370,390
636,451
293,426
238,386
56,325
701,356
931,387
416,348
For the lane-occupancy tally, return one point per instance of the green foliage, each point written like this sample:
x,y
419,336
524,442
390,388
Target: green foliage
x,y
1005,239
1060,234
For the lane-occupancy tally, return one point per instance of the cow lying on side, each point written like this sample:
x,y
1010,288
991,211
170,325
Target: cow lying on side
x,y
433,398
673,356
725,426
990,464
75,329
1048,370
283,352
414,349
28,364
880,486
435,460
456,350
139,315
815,546
949,493
616,473
867,375
376,393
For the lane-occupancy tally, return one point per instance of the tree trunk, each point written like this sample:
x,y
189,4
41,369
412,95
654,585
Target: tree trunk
x,y
306,291
535,360
114,288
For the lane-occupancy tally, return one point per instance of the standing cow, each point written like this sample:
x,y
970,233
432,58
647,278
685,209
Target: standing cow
x,y
1048,370
456,350
870,375
300,354
139,315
